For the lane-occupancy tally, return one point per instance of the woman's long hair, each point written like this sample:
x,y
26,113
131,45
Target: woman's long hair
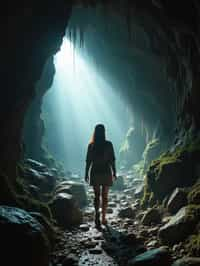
x,y
99,137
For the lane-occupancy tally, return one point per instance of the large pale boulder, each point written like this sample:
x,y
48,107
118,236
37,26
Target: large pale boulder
x,y
39,175
178,228
23,240
151,216
177,200
65,210
76,189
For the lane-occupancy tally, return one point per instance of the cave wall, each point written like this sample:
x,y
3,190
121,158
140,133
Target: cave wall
x,y
31,32
34,125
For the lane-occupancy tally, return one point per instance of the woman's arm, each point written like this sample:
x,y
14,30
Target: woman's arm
x,y
113,160
88,163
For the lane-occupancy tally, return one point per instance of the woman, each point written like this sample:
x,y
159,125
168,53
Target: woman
x,y
100,170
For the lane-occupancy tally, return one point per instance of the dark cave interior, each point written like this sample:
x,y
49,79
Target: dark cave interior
x,y
132,65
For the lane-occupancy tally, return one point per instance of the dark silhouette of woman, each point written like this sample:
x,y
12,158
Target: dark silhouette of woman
x,y
100,170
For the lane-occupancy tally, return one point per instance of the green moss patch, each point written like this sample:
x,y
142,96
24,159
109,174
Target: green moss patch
x,y
148,196
173,169
194,194
193,245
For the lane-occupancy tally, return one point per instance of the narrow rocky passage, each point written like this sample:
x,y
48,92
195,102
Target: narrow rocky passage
x,y
130,232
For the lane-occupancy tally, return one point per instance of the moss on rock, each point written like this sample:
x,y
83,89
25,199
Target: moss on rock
x,y
148,198
173,169
193,245
194,194
193,213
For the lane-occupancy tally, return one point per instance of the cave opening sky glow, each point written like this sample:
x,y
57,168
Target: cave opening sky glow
x,y
79,99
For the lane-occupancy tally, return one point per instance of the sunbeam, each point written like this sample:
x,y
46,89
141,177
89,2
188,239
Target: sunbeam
x,y
80,98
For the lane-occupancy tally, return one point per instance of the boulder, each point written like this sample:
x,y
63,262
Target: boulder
x,y
76,189
70,260
155,257
177,200
129,191
173,169
187,261
65,210
49,228
44,180
35,165
151,216
139,192
127,212
177,229
23,241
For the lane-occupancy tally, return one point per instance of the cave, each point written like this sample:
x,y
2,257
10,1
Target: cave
x,y
130,65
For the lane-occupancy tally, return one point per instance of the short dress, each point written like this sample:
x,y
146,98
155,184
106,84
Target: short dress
x,y
100,171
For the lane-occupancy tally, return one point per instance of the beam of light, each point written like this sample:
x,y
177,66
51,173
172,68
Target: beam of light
x,y
79,99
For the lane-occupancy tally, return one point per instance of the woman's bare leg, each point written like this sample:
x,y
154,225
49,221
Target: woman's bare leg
x,y
105,190
97,204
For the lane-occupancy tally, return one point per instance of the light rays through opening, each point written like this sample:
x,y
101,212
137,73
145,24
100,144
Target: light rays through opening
x,y
79,99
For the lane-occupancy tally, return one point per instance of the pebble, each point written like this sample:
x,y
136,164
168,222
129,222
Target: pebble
x,y
84,227
95,251
109,210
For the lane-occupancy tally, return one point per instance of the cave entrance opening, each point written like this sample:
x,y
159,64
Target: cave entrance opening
x,y
79,98
101,76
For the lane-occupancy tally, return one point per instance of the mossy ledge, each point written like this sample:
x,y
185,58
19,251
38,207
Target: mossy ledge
x,y
15,195
174,168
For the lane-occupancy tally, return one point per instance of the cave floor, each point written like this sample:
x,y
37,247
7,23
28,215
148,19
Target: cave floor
x,y
121,240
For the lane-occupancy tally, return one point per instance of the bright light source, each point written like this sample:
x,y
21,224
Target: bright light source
x,y
79,99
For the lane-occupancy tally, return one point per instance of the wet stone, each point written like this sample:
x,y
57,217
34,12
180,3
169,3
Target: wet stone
x,y
126,212
95,251
124,203
90,244
112,204
71,260
84,227
109,210
152,244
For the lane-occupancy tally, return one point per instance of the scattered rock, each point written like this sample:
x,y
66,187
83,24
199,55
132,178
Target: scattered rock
x,y
177,229
144,233
153,230
177,200
130,239
130,191
76,189
127,212
152,216
154,257
65,210
84,227
152,244
95,251
187,261
112,204
139,191
90,244
109,210
36,165
70,260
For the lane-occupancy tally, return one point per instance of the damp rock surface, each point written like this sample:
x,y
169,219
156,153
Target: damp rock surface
x,y
23,237
124,241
